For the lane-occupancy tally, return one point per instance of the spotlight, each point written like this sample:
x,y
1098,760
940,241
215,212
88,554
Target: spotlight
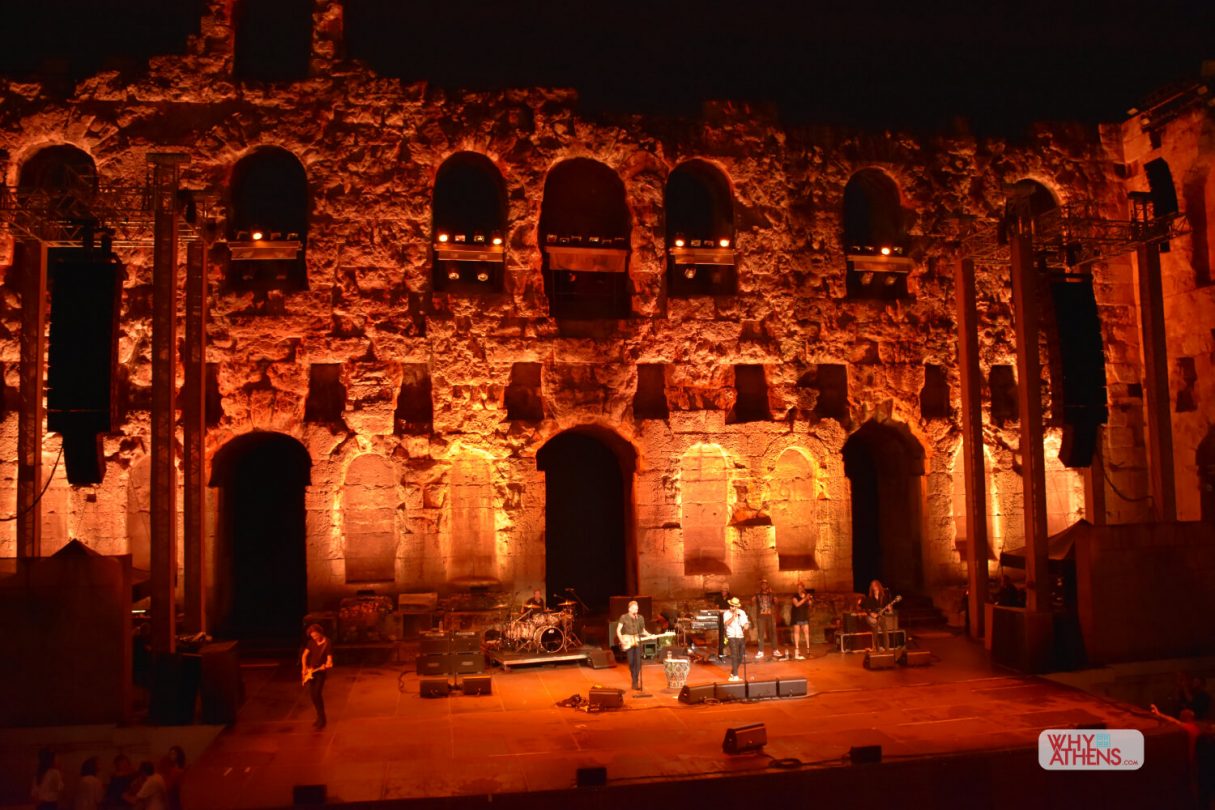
x,y
242,236
723,243
479,238
293,237
443,237
483,276
257,236
496,238
573,277
453,274
695,243
679,242
898,251
866,278
461,238
550,238
689,272
885,250
276,236
889,279
592,240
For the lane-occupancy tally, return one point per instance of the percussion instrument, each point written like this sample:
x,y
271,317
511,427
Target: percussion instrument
x,y
550,639
546,619
677,670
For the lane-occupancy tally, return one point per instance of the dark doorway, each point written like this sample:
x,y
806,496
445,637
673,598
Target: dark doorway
x,y
884,463
587,488
261,582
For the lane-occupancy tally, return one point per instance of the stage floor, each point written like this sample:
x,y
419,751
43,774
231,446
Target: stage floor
x,y
386,742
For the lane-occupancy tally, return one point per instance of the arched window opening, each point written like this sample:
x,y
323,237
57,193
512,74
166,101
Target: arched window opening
x,y
704,491
469,226
60,184
268,222
369,519
273,39
794,503
700,231
584,235
875,237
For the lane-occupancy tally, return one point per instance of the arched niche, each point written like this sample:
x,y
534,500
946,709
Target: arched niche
x,y
268,221
876,240
884,463
369,507
704,491
584,236
260,588
699,209
794,511
60,182
469,224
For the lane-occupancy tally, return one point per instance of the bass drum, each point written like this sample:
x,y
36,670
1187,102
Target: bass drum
x,y
550,639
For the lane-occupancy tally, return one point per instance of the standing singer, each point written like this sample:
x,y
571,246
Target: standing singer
x,y
736,622
630,629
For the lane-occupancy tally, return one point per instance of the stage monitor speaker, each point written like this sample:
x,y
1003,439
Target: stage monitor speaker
x,y
603,697
696,693
619,605
478,685
745,738
433,664
432,643
308,795
1160,186
876,660
916,658
591,777
792,687
600,659
761,689
1078,370
865,754
435,687
735,690
467,663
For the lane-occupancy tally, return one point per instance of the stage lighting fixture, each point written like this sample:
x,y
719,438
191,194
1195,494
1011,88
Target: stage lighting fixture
x,y
885,250
497,239
461,238
479,238
443,237
242,236
723,243
689,272
257,236
679,240
866,278
889,279
483,276
453,275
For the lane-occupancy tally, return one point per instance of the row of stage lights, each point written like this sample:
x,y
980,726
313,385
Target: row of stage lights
x,y
885,250
257,235
475,238
577,240
454,275
680,241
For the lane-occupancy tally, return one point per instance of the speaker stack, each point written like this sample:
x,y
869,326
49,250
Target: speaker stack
x,y
450,654
744,690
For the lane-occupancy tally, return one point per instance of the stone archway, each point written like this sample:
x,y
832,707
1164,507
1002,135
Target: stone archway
x,y
588,514
884,464
261,583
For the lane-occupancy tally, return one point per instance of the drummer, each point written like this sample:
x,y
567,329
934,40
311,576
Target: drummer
x,y
533,605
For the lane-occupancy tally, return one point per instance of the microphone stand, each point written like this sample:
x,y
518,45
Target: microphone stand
x,y
641,693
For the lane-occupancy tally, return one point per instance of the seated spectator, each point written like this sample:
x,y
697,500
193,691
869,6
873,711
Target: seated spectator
x,y
89,791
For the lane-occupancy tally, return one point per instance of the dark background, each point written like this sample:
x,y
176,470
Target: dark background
x,y
916,63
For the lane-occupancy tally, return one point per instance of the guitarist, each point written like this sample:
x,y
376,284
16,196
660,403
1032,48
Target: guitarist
x,y
875,604
315,663
630,629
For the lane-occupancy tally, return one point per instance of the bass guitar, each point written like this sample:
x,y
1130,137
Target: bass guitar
x,y
309,672
629,641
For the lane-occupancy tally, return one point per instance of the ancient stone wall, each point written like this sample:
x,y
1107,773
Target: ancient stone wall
x,y
710,500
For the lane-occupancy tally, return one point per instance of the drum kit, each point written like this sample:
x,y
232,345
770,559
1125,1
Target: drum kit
x,y
536,631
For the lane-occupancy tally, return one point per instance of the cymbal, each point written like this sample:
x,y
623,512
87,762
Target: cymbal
x,y
566,603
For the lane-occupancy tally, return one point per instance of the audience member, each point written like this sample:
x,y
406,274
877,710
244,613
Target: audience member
x,y
89,792
48,783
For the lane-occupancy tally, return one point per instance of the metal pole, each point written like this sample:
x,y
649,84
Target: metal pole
x,y
1156,383
31,261
972,443
194,431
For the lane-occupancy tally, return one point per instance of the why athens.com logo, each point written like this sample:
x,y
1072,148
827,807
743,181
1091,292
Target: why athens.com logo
x,y
1090,750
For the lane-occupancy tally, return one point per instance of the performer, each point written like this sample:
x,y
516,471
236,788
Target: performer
x,y
765,617
535,604
315,662
630,629
736,622
800,617
873,603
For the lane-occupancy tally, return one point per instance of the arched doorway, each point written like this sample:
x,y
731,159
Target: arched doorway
x,y
884,464
261,584
588,483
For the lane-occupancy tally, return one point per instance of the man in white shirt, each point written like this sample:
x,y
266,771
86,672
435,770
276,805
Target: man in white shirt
x,y
736,622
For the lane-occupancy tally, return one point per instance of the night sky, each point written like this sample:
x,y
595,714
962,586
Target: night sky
x,y
914,64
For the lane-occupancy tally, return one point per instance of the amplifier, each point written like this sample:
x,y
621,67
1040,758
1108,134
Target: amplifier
x,y
433,664
466,663
465,641
434,644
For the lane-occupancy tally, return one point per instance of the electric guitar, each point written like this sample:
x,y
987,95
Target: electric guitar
x,y
310,671
629,641
873,617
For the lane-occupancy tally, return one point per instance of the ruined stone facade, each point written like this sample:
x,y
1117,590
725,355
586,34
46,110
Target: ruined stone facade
x,y
710,495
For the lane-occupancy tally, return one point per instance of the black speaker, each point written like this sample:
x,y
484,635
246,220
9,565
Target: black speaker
x,y
745,738
591,777
221,688
308,795
735,690
465,642
466,663
1160,185
478,685
602,697
865,754
916,658
1078,370
761,689
619,605
431,643
600,659
83,457
876,660
792,687
697,693
433,664
83,347
435,687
